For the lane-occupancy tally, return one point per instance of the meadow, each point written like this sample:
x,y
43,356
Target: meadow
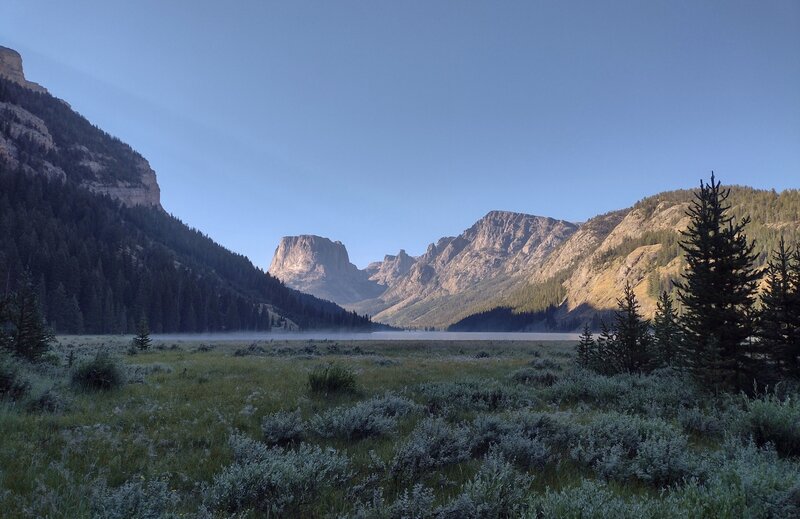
x,y
406,429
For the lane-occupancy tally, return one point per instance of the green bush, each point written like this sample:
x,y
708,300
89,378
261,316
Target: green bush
x,y
283,427
12,385
432,444
100,374
331,379
772,420
374,417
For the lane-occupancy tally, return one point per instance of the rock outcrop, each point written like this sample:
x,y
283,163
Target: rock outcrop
x,y
43,135
11,68
321,267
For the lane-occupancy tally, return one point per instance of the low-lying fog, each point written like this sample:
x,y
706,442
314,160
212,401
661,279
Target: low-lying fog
x,y
369,336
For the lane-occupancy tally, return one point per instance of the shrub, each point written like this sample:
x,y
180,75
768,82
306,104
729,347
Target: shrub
x,y
545,364
770,419
524,451
622,447
12,385
331,379
534,377
373,417
695,420
275,480
592,500
99,374
488,430
433,443
496,491
416,503
136,498
49,401
484,395
283,427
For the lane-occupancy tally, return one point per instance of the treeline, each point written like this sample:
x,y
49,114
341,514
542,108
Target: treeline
x,y
99,267
721,335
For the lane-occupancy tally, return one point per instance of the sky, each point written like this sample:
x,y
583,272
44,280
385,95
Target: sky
x,y
387,124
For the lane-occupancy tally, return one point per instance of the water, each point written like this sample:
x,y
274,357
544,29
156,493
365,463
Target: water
x,y
370,336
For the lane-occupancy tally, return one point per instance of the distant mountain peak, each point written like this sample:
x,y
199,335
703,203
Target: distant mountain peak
x,y
11,68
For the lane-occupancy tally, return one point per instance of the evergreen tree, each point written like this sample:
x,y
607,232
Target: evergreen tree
x,y
30,338
5,322
586,347
717,291
630,349
142,339
779,317
666,332
603,360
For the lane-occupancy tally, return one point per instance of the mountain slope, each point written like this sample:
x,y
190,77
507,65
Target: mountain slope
x,y
81,210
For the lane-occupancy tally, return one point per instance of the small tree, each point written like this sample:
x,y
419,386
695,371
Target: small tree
x,y
631,346
779,317
586,348
142,339
666,332
30,337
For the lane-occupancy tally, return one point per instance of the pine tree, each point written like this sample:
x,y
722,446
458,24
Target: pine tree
x,y
603,360
631,346
5,323
30,338
586,347
142,339
779,317
666,332
717,292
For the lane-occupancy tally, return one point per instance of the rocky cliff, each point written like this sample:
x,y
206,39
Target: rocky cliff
x,y
321,267
40,134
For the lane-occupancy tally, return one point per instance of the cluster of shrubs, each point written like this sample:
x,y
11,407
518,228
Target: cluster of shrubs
x,y
374,417
471,395
275,481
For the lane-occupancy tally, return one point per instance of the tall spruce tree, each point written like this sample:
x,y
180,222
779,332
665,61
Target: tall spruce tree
x,y
630,348
779,317
717,292
30,337
666,332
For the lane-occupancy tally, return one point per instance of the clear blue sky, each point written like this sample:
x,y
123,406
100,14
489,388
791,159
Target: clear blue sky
x,y
389,124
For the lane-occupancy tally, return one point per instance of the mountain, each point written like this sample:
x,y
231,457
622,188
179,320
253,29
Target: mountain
x,y
321,267
441,285
80,211
513,271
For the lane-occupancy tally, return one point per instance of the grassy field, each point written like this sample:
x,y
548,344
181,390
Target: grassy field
x,y
430,429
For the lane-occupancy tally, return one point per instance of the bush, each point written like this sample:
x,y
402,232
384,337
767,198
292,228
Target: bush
x,y
623,447
137,498
275,480
488,430
12,385
373,417
433,443
283,427
416,503
593,500
524,451
49,401
496,491
483,395
770,419
331,379
534,377
545,364
100,374
706,424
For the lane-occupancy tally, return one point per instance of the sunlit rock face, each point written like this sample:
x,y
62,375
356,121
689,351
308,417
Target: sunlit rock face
x,y
43,135
321,267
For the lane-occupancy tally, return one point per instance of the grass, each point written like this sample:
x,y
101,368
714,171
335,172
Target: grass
x,y
165,435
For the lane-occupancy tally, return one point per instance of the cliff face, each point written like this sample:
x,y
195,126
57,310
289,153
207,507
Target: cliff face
x,y
11,68
321,267
40,134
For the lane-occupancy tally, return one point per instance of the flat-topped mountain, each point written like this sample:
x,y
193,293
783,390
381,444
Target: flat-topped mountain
x,y
321,267
11,69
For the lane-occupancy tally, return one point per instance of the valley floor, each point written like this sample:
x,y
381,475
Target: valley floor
x,y
430,429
